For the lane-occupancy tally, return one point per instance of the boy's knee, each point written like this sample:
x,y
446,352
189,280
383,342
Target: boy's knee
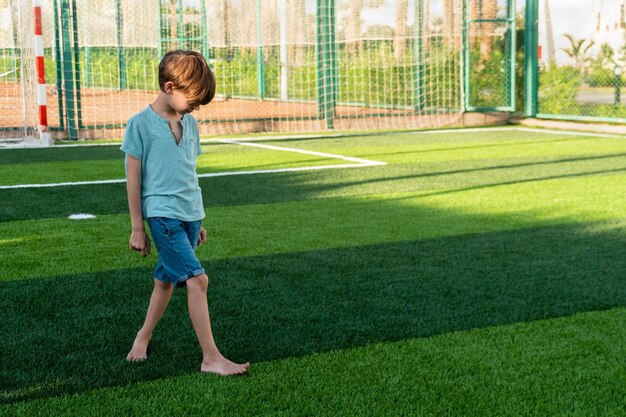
x,y
163,285
200,282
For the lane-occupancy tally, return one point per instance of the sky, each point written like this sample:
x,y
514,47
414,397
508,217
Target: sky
x,y
577,17
580,19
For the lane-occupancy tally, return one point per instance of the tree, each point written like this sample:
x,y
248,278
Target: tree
x,y
426,26
578,51
228,17
246,31
602,68
549,33
451,25
299,13
353,28
485,33
402,7
606,57
174,25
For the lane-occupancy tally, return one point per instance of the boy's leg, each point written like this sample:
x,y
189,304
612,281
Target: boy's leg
x,y
212,359
158,302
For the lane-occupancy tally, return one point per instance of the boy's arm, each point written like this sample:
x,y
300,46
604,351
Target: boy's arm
x,y
138,238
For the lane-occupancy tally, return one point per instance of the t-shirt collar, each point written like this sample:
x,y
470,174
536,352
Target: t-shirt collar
x,y
159,117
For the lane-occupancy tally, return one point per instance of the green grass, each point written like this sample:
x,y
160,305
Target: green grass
x,y
477,274
41,166
444,375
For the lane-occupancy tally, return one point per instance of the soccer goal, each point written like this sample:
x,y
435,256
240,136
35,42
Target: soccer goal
x,y
281,65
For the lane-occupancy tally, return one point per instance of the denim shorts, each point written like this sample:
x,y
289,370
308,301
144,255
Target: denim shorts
x,y
176,242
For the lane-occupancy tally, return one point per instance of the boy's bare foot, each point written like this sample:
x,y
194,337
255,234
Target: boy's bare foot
x,y
222,366
138,353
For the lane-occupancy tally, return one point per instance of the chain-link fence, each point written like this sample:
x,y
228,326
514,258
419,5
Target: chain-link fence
x,y
490,49
582,56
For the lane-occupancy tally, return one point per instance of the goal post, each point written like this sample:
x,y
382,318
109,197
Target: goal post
x,y
40,75
23,119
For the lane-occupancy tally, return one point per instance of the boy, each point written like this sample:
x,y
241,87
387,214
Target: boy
x,y
161,145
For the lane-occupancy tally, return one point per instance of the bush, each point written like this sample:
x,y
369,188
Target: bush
x,y
600,77
557,90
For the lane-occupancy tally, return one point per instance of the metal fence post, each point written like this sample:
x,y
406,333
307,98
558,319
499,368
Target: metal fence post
x,y
76,47
203,30
160,34
121,55
511,38
465,72
58,64
327,73
180,29
320,57
618,84
260,56
531,59
418,52
68,71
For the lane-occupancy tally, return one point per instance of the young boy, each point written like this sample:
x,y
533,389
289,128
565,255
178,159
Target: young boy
x,y
162,144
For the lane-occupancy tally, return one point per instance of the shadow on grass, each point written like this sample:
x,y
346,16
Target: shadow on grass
x,y
71,333
60,154
32,203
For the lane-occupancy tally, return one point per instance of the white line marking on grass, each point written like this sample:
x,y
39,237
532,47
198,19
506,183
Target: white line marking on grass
x,y
569,132
84,145
272,171
325,155
358,163
357,134
61,184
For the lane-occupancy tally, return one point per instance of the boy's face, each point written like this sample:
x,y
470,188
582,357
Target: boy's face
x,y
179,103
177,100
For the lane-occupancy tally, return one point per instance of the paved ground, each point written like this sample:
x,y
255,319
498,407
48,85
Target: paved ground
x,y
599,96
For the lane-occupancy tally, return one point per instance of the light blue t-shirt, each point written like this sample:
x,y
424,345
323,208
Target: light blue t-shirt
x,y
169,182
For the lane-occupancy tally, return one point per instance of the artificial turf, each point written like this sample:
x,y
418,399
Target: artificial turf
x,y
475,274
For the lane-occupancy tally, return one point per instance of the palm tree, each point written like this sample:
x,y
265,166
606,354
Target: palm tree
x,y
426,26
549,33
402,7
228,17
246,32
483,32
174,25
485,9
578,50
299,12
353,28
451,28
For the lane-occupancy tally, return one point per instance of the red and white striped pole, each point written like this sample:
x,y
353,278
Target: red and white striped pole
x,y
41,76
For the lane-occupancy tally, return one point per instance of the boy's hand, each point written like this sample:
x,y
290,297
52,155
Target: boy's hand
x,y
140,242
202,237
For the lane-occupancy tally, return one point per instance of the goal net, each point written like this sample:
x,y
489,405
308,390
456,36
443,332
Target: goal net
x,y
281,65
19,114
